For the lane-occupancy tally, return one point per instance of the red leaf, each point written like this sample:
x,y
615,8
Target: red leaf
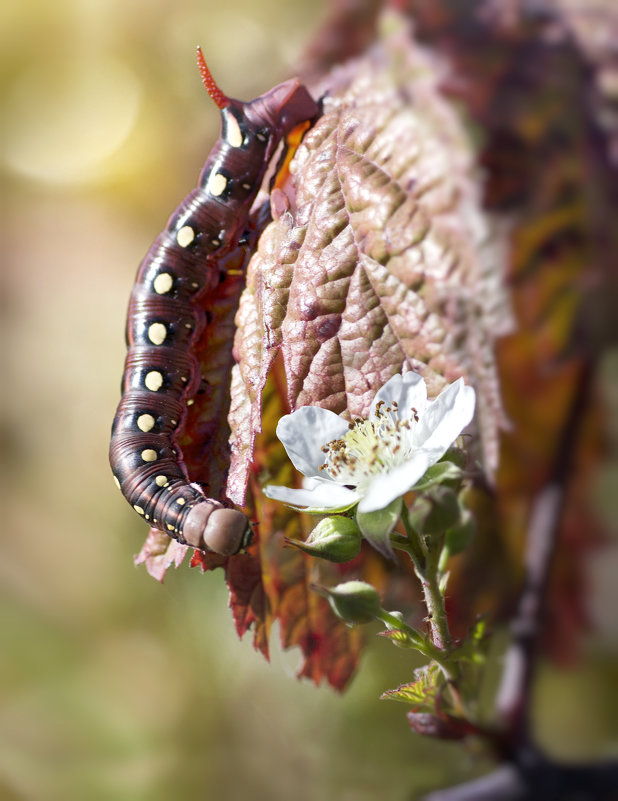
x,y
384,260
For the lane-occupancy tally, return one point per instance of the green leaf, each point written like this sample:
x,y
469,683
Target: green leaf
x,y
423,691
400,638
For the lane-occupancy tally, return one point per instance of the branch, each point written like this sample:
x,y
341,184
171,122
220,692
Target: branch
x,y
514,696
537,780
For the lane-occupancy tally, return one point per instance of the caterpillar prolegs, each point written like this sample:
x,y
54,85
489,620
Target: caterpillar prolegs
x,y
167,311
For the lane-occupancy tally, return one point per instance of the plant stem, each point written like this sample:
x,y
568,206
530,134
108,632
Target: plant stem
x,y
427,569
440,634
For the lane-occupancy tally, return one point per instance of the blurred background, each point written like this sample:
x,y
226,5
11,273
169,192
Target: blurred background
x,y
113,686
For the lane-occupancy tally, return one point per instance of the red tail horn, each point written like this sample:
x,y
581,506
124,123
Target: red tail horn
x,y
220,100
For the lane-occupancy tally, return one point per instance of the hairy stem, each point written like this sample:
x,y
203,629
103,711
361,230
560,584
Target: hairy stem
x,y
426,561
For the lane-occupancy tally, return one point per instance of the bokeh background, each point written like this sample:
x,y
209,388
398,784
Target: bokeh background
x,y
111,685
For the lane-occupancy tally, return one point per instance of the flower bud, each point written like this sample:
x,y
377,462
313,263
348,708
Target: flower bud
x,y
353,601
337,539
460,536
377,526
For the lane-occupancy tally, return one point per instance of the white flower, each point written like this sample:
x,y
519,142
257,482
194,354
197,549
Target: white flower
x,y
373,460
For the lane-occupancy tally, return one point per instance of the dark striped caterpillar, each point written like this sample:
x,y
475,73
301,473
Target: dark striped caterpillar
x,y
167,312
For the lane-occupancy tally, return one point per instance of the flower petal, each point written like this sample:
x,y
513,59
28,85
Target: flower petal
x,y
408,391
444,419
384,488
323,495
305,431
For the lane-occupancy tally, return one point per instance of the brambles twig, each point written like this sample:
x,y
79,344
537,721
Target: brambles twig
x,y
513,700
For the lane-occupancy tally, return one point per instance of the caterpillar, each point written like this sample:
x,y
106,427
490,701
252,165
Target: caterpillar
x,y
168,310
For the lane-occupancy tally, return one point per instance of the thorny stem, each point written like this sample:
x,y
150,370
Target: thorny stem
x,y
426,566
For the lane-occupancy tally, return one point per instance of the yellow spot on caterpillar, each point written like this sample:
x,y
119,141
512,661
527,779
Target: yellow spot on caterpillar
x,y
153,380
138,509
185,236
190,402
246,186
163,283
157,333
180,501
216,184
149,455
161,481
145,422
260,137
233,134
170,527
116,482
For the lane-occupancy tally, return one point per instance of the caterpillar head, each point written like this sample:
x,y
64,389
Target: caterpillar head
x,y
214,528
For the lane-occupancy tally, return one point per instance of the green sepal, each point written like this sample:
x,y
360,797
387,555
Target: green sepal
x,y
438,473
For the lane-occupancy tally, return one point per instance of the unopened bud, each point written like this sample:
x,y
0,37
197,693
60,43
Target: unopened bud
x,y
353,601
337,539
377,526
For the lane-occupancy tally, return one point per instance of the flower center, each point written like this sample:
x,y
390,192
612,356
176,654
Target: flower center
x,y
371,446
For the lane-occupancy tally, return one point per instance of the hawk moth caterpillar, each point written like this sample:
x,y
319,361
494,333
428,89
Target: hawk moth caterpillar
x,y
167,311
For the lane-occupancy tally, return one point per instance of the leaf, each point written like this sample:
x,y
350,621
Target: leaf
x,y
160,552
381,260
424,691
205,439
378,260
400,638
330,649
